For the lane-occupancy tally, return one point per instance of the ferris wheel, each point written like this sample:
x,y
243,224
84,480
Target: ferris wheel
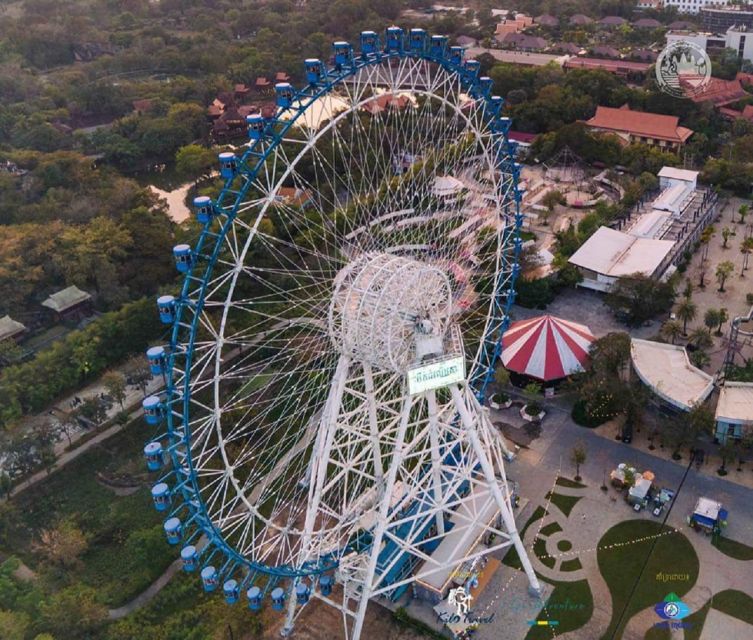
x,y
321,430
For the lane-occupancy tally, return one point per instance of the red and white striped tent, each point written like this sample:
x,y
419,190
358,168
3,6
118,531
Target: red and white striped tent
x,y
546,347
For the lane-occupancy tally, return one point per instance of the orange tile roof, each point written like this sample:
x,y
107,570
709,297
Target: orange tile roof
x,y
720,92
746,113
640,123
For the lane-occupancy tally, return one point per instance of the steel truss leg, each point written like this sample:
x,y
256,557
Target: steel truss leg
x,y
502,501
319,457
395,464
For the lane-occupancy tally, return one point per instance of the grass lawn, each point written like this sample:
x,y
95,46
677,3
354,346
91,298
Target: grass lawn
x,y
732,548
573,564
126,549
566,482
571,604
564,503
734,603
621,568
539,548
552,527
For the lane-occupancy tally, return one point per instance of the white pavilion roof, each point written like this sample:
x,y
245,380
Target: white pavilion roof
x,y
614,253
665,368
735,404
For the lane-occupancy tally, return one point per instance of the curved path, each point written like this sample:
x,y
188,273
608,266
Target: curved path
x,y
145,596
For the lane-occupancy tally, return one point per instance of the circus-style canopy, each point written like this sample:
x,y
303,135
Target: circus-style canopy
x,y
546,347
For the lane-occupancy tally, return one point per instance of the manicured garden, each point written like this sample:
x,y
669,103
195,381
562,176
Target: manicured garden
x,y
630,568
563,502
571,604
732,548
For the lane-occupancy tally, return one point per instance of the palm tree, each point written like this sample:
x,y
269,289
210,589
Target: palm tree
x,y
686,311
700,338
746,246
723,317
711,318
743,211
726,233
723,271
700,359
671,330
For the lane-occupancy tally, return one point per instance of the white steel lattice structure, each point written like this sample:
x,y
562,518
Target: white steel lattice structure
x,y
367,234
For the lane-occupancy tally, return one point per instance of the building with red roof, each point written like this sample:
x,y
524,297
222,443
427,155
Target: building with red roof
x,y
734,114
720,92
640,126
627,69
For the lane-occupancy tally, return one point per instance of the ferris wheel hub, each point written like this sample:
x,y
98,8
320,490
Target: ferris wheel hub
x,y
390,311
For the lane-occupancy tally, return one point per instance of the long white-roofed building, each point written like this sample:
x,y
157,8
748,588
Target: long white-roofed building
x,y
610,254
654,239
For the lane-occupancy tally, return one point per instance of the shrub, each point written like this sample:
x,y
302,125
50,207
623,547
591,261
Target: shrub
x,y
581,416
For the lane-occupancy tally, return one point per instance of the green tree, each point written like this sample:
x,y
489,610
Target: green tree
x,y
723,271
532,392
726,233
578,456
93,410
687,292
699,358
137,372
671,329
550,200
195,161
700,338
639,298
63,545
727,451
502,376
743,211
115,384
74,612
610,354
686,312
746,246
723,317
712,318
13,626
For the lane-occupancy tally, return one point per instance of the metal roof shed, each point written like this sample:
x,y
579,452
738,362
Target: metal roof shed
x,y
66,299
10,328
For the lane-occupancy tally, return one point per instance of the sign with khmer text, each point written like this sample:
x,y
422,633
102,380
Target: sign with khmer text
x,y
436,374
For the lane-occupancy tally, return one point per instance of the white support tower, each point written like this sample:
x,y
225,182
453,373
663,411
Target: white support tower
x,y
403,444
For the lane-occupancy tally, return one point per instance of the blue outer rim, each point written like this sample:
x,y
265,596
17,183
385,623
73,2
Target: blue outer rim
x,y
210,243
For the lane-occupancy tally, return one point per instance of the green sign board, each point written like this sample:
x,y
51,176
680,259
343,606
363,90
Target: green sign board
x,y
436,375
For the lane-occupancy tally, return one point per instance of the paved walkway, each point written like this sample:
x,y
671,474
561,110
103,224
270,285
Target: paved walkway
x,y
146,596
536,469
